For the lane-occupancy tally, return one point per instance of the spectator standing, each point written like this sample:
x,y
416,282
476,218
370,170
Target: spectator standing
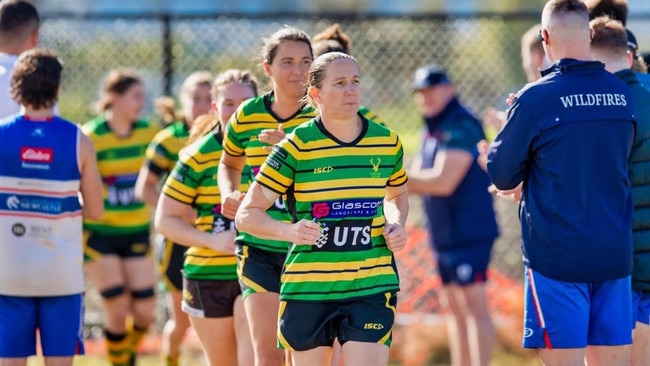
x,y
19,23
576,240
609,45
46,162
459,210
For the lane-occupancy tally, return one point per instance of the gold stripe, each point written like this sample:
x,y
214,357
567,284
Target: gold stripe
x,y
337,276
281,339
247,281
328,266
385,338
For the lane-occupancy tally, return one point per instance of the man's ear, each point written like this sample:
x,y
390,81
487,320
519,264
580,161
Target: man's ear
x,y
630,58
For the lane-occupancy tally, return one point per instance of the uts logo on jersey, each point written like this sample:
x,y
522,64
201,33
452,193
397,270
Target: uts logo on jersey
x,y
346,208
344,236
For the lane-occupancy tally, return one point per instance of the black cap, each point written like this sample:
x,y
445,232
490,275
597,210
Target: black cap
x,y
631,42
428,76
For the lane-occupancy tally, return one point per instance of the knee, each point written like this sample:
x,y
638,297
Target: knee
x,y
270,356
144,303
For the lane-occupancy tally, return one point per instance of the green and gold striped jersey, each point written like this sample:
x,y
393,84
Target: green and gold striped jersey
x,y
370,115
250,119
162,152
119,160
193,181
341,186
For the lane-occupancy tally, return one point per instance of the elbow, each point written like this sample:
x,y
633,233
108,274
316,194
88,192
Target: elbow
x,y
503,183
446,190
159,223
240,221
94,213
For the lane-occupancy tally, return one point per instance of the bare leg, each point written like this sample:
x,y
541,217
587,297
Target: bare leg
x,y
563,357
217,338
13,361
456,326
641,345
608,355
242,335
176,327
364,354
262,314
320,356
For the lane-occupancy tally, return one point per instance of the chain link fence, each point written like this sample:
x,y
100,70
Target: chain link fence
x,y
480,53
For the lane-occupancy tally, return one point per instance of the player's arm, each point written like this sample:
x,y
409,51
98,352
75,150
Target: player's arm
x,y
449,169
252,218
171,221
228,179
91,182
396,207
146,187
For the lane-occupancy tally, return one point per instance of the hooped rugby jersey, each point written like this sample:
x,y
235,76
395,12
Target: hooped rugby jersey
x,y
40,214
119,160
342,187
194,182
162,152
241,138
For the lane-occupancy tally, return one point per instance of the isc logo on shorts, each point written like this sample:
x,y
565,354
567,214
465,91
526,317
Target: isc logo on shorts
x,y
374,326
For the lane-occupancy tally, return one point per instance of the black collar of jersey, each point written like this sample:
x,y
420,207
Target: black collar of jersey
x,y
268,100
570,64
364,130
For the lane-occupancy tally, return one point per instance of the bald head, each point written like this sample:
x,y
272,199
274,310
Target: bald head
x,y
566,33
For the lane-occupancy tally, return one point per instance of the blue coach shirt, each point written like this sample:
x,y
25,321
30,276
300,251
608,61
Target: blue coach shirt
x,y
466,217
568,138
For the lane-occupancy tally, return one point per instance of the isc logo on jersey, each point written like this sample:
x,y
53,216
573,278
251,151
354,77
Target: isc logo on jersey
x,y
346,208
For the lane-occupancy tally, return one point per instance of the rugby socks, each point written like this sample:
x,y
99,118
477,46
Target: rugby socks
x,y
135,336
117,346
171,360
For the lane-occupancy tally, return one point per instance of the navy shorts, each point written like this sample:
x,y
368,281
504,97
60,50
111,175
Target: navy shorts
x,y
58,319
123,246
641,306
169,259
305,325
258,270
576,314
465,265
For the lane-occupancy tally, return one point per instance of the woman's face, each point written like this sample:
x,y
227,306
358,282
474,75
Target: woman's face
x,y
231,95
195,103
340,91
129,104
288,70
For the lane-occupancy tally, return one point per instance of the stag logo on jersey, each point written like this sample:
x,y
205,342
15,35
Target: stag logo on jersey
x,y
346,208
344,236
376,164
